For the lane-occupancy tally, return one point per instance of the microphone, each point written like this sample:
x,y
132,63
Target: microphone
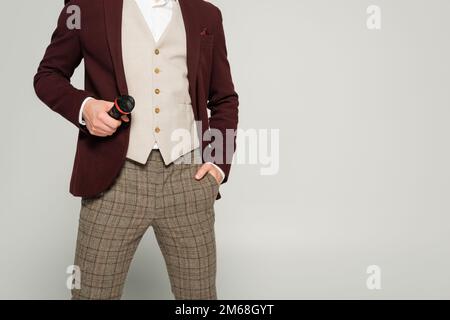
x,y
123,105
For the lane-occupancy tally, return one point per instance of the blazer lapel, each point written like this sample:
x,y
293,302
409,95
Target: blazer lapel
x,y
113,22
192,26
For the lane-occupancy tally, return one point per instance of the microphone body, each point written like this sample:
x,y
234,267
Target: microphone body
x,y
123,105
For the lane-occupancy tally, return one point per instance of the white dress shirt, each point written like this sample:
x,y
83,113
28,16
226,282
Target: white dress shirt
x,y
157,14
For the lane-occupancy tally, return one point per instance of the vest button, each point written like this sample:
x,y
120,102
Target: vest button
x,y
157,70
157,91
157,130
157,110
156,51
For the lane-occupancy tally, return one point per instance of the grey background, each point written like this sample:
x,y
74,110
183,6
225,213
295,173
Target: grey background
x,y
364,156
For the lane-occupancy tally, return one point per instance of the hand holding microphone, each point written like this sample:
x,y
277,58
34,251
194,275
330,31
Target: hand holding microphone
x,y
123,106
104,117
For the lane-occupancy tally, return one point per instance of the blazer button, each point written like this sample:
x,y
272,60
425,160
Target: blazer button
x,y
157,91
157,70
156,51
157,130
157,110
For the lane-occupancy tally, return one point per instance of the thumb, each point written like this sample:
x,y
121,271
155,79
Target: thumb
x,y
107,105
125,118
201,172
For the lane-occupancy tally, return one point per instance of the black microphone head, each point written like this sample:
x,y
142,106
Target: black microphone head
x,y
126,103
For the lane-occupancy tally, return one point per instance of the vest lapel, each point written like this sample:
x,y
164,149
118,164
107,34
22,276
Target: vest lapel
x,y
113,22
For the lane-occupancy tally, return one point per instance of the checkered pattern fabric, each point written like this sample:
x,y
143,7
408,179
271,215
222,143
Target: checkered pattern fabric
x,y
166,197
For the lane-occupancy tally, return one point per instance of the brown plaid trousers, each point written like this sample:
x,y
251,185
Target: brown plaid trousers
x,y
166,197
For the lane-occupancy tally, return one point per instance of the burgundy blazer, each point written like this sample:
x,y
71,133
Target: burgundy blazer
x,y
98,42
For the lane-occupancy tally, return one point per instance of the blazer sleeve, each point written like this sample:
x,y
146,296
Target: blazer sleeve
x,y
52,80
223,101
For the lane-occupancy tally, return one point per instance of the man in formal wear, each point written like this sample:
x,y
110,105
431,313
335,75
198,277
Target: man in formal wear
x,y
141,171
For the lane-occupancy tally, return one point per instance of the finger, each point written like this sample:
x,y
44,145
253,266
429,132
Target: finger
x,y
107,105
93,129
97,132
202,171
102,135
125,118
109,121
100,127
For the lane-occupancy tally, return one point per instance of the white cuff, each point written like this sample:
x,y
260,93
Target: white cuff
x,y
80,115
220,170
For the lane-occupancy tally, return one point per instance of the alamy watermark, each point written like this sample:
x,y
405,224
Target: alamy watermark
x,y
373,281
74,279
